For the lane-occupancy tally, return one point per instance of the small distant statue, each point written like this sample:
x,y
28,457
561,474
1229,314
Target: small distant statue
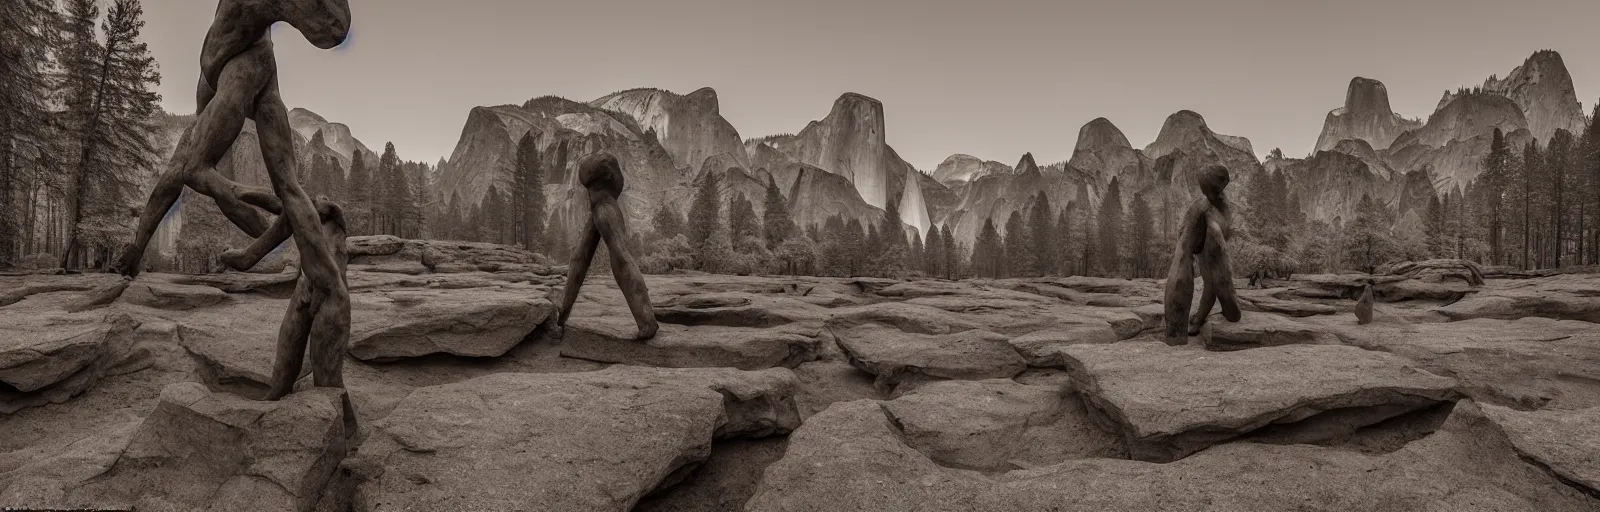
x,y
601,174
1202,240
238,81
315,317
1364,305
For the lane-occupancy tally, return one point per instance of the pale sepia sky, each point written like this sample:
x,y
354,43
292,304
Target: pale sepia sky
x,y
992,78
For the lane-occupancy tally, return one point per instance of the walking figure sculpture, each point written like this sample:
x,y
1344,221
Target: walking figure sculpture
x,y
1202,240
238,81
602,176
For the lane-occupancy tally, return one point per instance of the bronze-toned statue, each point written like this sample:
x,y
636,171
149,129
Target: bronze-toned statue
x,y
238,81
601,174
1202,240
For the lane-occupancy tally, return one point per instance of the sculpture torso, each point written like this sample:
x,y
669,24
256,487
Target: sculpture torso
x,y
235,30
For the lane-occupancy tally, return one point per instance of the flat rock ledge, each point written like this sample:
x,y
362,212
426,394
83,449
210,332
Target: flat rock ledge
x,y
852,456
579,441
1170,402
610,339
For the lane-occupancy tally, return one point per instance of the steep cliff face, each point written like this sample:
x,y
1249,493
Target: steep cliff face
x,y
997,196
1542,90
848,142
336,136
913,208
1331,184
1104,152
690,127
1452,144
966,168
1366,116
941,200
486,153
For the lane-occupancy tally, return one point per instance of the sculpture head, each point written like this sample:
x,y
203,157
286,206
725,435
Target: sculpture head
x,y
601,172
324,23
1212,182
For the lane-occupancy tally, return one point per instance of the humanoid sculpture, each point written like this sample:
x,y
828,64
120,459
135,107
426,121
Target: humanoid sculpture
x,y
601,174
238,81
1202,240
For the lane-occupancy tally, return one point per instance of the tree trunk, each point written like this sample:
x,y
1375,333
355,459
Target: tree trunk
x,y
74,194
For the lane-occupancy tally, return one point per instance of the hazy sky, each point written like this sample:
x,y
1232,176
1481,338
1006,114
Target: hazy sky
x,y
992,78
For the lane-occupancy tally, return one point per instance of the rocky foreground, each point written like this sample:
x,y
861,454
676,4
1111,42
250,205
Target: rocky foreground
x,y
1470,391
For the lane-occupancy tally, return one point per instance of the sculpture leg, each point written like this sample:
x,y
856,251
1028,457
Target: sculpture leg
x,y
292,338
578,268
277,149
608,221
201,146
330,335
1179,295
1208,299
1218,273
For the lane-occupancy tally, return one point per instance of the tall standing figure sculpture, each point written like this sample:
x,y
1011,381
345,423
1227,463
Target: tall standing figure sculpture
x,y
601,175
239,81
1202,239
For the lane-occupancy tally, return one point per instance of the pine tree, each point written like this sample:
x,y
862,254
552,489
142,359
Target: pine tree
x,y
1041,220
1556,173
1589,162
1019,247
705,216
933,254
743,231
1110,229
1142,239
987,251
666,222
1435,222
359,190
112,110
891,229
952,253
1062,243
776,223
493,217
394,195
1369,242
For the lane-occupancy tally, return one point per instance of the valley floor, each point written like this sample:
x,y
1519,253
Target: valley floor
x,y
803,394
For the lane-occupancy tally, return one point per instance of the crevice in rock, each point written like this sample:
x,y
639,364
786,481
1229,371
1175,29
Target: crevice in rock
x,y
721,483
1387,436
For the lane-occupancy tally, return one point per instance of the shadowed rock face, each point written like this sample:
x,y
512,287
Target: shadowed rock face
x,y
1366,116
1186,129
848,142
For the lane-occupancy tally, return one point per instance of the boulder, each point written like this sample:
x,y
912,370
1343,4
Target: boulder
x,y
897,357
853,457
998,425
200,450
610,339
52,357
1042,348
177,297
1260,330
461,322
1169,402
579,441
